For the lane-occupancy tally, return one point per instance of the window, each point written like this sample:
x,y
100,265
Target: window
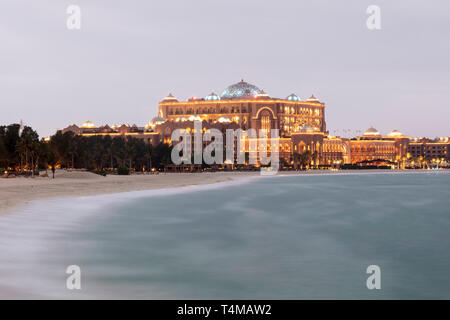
x,y
265,124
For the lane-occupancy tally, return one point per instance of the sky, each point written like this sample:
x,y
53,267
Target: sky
x,y
128,55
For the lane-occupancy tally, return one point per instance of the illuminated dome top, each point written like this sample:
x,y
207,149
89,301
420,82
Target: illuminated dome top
x,y
88,124
170,98
293,97
240,90
212,97
371,132
312,99
395,133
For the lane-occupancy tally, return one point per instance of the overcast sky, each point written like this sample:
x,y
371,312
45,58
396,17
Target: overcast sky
x,y
128,55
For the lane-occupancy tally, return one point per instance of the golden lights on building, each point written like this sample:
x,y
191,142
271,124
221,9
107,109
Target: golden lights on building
x,y
301,124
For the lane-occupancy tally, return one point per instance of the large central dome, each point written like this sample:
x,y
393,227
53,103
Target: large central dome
x,y
240,90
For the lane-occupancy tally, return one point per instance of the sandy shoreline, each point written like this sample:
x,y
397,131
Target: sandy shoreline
x,y
16,192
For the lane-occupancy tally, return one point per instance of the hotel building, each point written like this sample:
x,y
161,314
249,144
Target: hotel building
x,y
438,149
301,124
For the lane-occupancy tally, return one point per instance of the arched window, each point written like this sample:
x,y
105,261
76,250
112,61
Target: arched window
x,y
265,122
301,147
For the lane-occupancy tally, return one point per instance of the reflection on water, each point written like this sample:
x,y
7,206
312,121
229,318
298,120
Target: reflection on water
x,y
294,237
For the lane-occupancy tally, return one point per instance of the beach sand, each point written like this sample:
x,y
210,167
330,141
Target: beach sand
x,y
16,192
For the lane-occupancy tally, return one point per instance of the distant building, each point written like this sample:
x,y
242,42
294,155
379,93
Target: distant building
x,y
88,129
371,146
437,149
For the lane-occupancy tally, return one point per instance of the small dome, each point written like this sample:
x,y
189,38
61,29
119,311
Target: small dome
x,y
308,128
371,132
312,99
88,124
395,133
170,98
240,90
212,97
293,97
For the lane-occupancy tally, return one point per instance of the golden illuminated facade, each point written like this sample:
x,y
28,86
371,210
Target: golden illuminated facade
x,y
301,125
371,146
434,150
88,129
250,108
247,107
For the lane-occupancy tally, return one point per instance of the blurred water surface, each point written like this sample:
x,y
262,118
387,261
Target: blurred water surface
x,y
288,237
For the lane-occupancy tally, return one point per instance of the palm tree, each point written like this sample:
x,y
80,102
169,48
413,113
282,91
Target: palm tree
x,y
98,152
107,141
10,136
426,161
297,160
3,154
27,147
118,146
306,159
52,158
148,155
34,155
315,158
130,150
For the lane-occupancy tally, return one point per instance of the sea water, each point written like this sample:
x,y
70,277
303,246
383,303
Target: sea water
x,y
282,237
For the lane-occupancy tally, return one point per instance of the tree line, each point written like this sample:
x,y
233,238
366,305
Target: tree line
x,y
22,151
